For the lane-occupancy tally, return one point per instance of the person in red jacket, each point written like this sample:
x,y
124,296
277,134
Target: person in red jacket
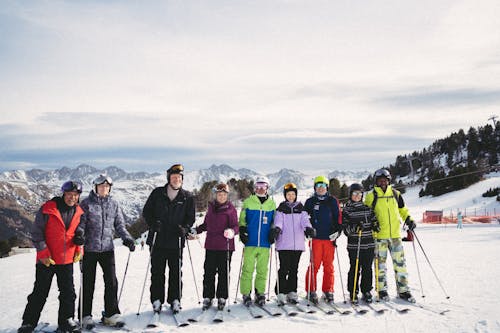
x,y
57,248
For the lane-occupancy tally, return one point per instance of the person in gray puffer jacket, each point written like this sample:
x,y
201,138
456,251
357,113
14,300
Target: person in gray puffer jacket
x,y
102,217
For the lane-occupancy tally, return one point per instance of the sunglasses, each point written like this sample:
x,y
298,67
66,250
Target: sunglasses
x,y
72,186
318,185
290,186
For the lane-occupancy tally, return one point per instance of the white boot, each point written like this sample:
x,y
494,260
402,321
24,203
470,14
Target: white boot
x,y
88,323
115,320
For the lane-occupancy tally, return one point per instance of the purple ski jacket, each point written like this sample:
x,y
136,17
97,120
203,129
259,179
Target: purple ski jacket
x,y
219,217
292,219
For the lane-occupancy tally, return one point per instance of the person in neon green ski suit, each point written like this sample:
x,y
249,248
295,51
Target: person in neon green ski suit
x,y
256,230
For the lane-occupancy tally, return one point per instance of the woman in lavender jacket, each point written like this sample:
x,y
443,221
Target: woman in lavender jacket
x,y
221,224
291,224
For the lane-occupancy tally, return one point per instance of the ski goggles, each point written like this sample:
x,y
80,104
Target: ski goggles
x,y
356,193
290,186
221,188
103,179
176,168
318,185
72,186
261,186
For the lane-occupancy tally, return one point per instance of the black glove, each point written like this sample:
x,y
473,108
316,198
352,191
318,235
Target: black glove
x,y
410,223
310,232
183,231
243,235
375,226
156,226
349,229
79,239
359,225
130,244
273,234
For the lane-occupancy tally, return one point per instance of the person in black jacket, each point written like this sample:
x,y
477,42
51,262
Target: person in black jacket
x,y
170,214
358,217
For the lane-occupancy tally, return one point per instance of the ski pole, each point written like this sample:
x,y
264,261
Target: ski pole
x,y
418,268
123,281
340,273
311,263
269,279
228,258
239,276
147,271
355,286
180,274
277,270
376,264
432,268
192,269
81,294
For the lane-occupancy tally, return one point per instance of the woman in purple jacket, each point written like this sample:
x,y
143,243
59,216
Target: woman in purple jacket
x,y
221,224
292,225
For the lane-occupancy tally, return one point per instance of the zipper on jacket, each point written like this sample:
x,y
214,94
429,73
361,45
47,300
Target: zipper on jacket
x,y
293,227
260,224
103,221
64,249
389,215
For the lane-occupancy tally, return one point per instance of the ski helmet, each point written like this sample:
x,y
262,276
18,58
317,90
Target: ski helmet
x,y
321,180
101,180
72,186
355,187
262,179
176,168
382,173
290,187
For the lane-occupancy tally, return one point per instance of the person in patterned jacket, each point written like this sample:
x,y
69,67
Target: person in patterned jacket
x,y
356,218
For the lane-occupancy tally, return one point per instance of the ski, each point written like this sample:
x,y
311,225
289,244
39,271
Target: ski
x,y
288,310
431,308
199,317
339,309
41,327
218,317
154,321
179,319
358,309
268,310
301,308
252,311
322,309
394,306
376,307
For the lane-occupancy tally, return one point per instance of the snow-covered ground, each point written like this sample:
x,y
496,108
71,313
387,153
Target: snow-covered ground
x,y
466,260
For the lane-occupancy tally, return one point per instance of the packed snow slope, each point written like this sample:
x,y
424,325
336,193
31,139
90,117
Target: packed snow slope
x,y
465,260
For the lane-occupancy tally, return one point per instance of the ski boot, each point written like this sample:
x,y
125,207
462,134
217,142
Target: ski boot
x,y
312,296
68,326
367,297
383,295
88,323
260,299
247,300
157,306
281,299
26,328
113,321
407,297
292,297
221,303
328,296
175,306
207,302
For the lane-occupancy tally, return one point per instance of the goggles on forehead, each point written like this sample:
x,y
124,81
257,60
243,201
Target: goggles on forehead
x,y
72,186
318,185
176,168
103,179
290,186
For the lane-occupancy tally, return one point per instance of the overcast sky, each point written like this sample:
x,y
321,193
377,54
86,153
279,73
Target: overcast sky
x,y
306,85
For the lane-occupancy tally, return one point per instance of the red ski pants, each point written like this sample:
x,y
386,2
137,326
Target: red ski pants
x,y
322,252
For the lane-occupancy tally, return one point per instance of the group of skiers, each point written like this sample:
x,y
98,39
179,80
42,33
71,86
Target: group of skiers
x,y
64,228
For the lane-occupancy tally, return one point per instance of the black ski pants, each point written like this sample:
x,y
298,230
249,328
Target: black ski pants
x,y
159,260
287,273
216,263
365,272
107,262
43,280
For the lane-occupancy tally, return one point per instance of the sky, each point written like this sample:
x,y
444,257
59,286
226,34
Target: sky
x,y
306,85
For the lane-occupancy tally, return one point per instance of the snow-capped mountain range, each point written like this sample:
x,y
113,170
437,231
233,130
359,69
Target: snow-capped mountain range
x,y
31,188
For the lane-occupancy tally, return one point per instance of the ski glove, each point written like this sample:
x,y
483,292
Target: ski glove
x,y
156,226
310,232
77,257
229,233
183,231
334,236
78,239
192,234
47,261
410,223
273,234
130,244
375,226
243,234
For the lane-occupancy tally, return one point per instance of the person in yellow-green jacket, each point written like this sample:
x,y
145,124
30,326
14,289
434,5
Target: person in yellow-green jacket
x,y
390,210
257,232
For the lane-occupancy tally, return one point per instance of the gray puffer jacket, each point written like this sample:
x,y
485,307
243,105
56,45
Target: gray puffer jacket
x,y
101,218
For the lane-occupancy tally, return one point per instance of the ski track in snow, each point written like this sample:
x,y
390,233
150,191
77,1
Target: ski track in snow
x,y
466,261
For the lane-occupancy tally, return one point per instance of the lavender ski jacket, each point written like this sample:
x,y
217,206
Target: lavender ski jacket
x,y
218,218
292,219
